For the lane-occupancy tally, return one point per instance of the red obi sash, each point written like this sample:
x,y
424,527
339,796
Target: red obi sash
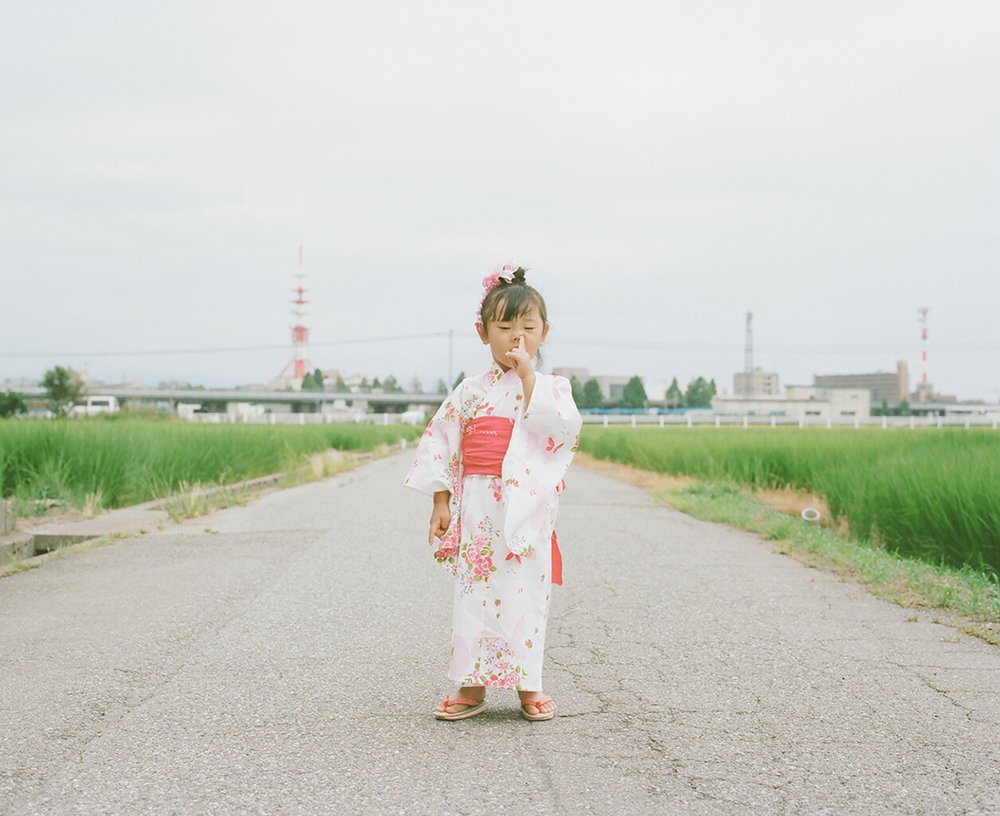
x,y
484,445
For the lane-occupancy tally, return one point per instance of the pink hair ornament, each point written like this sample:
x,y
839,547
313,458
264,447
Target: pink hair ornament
x,y
491,281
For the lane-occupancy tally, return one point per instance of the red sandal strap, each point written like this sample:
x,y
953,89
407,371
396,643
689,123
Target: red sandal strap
x,y
450,701
538,703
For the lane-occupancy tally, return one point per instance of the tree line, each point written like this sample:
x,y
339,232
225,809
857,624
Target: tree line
x,y
64,386
315,381
698,394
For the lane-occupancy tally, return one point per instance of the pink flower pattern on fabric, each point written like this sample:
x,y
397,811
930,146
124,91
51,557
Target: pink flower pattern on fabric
x,y
495,665
498,545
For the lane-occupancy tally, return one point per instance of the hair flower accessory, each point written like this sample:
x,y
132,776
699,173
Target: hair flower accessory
x,y
491,281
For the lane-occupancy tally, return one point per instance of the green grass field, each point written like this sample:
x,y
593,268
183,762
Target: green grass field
x,y
107,464
932,494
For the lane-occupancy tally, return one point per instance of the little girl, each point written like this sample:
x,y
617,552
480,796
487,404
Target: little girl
x,y
493,457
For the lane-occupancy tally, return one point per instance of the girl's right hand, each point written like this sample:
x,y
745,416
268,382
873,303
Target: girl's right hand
x,y
440,521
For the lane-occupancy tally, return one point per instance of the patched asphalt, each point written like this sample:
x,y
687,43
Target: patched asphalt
x,y
285,657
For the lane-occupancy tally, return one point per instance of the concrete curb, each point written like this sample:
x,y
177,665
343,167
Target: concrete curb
x,y
6,518
44,539
136,519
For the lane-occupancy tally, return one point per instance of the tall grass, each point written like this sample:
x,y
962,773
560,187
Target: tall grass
x,y
930,494
114,464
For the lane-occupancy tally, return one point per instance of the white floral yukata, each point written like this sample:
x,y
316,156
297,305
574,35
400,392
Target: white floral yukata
x,y
498,546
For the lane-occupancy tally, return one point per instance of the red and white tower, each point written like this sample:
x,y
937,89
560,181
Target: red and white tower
x,y
924,390
299,364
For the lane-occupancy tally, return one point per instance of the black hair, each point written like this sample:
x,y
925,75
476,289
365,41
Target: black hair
x,y
510,299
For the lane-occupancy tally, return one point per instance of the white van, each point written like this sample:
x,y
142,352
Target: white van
x,y
413,417
92,406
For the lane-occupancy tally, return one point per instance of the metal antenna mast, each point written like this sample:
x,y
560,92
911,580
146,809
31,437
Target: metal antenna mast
x,y
299,364
922,320
300,334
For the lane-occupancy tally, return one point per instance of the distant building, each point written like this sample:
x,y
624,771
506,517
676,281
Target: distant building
x,y
613,386
925,393
805,402
890,387
581,374
758,384
284,383
948,408
176,385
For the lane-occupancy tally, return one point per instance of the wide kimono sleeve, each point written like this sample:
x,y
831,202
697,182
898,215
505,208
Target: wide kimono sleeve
x,y
541,448
437,466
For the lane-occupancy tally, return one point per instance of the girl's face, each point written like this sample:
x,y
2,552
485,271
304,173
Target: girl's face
x,y
502,335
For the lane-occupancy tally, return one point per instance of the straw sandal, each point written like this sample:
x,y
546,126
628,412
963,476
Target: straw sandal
x,y
474,708
537,704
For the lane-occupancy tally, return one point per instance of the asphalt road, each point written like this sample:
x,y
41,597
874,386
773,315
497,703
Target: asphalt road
x,y
284,657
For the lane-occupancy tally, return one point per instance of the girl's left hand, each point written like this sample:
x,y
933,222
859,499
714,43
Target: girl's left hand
x,y
519,359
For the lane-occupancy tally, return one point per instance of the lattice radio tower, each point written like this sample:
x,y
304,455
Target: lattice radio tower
x,y
748,358
922,320
299,364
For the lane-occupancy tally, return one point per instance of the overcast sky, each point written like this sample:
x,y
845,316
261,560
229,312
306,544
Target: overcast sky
x,y
662,168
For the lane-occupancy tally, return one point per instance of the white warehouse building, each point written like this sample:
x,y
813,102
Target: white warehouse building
x,y
802,402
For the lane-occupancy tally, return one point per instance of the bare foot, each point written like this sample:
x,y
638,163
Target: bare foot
x,y
527,698
476,693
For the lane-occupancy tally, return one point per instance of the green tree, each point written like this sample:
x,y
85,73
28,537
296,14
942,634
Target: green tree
x,y
12,403
634,394
592,396
458,379
63,387
574,383
674,396
313,381
441,387
904,408
699,393
390,386
341,385
364,385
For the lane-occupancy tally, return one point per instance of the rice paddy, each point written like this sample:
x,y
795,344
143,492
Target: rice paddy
x,y
933,495
97,464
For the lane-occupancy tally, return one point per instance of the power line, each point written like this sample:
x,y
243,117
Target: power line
x,y
218,349
777,348
795,348
609,343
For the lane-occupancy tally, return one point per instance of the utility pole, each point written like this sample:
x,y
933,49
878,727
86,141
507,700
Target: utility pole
x,y
748,358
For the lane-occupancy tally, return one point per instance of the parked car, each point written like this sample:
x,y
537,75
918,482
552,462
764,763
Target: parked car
x,y
98,404
415,417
